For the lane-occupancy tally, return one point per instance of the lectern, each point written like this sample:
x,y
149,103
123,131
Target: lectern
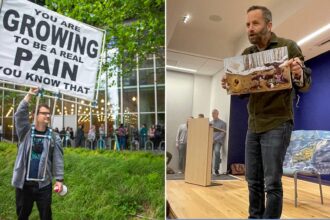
x,y
199,152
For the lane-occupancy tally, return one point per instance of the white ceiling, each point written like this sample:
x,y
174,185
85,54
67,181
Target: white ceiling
x,y
202,44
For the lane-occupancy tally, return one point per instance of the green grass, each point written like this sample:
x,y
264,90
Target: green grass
x,y
101,185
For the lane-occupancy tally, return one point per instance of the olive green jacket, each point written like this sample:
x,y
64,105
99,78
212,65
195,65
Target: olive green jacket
x,y
268,110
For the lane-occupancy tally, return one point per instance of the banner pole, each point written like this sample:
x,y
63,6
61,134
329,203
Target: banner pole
x,y
56,97
1,3
101,65
39,95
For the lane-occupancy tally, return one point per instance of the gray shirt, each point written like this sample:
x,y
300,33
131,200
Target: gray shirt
x,y
181,137
219,136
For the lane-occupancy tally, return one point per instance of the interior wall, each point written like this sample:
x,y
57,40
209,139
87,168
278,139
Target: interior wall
x,y
179,104
201,95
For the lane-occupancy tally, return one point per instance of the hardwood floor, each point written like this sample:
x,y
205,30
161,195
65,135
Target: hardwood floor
x,y
230,200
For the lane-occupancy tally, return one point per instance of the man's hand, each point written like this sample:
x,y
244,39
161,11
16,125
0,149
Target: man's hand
x,y
58,187
224,82
33,90
296,68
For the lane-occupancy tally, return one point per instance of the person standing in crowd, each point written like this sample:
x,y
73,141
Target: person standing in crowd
x,y
71,136
80,137
63,136
181,145
1,131
91,137
159,136
122,137
151,134
126,137
143,135
56,130
44,148
270,119
219,134
133,135
102,136
102,132
67,137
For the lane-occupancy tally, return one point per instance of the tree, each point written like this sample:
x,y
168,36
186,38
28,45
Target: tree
x,y
134,27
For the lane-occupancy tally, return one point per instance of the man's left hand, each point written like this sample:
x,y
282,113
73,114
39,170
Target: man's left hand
x,y
296,68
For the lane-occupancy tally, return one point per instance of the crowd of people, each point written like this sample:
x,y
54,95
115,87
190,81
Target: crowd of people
x,y
138,139
66,135
126,137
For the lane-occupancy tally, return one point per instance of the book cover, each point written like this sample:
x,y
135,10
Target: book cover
x,y
258,72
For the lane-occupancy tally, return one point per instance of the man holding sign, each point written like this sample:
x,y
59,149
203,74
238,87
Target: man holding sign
x,y
39,159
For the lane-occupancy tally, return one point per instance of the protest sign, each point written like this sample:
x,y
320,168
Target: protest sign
x,y
39,47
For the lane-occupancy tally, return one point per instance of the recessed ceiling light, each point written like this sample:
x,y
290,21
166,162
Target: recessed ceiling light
x,y
215,18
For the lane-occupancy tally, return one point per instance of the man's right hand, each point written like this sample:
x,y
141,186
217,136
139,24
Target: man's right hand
x,y
224,82
33,90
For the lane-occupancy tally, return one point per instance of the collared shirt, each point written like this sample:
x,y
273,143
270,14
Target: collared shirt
x,y
219,136
181,136
267,110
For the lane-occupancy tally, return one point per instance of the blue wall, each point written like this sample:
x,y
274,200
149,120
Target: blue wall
x,y
314,107
237,129
313,112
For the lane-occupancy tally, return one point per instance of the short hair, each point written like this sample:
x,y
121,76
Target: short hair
x,y
39,107
215,110
266,13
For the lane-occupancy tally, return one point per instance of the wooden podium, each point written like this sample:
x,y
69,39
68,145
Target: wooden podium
x,y
199,152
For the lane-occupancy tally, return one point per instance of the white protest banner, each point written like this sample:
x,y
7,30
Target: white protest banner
x,y
42,48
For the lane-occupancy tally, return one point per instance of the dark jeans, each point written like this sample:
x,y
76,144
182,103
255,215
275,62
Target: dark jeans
x,y
143,140
264,155
122,142
25,198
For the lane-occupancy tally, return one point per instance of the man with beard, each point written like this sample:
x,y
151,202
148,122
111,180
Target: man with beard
x,y
270,119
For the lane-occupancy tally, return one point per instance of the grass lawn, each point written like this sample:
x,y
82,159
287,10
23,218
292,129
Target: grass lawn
x,y
101,185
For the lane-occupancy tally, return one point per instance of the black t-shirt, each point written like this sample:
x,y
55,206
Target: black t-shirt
x,y
37,148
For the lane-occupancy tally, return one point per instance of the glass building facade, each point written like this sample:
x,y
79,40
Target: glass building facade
x,y
134,99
